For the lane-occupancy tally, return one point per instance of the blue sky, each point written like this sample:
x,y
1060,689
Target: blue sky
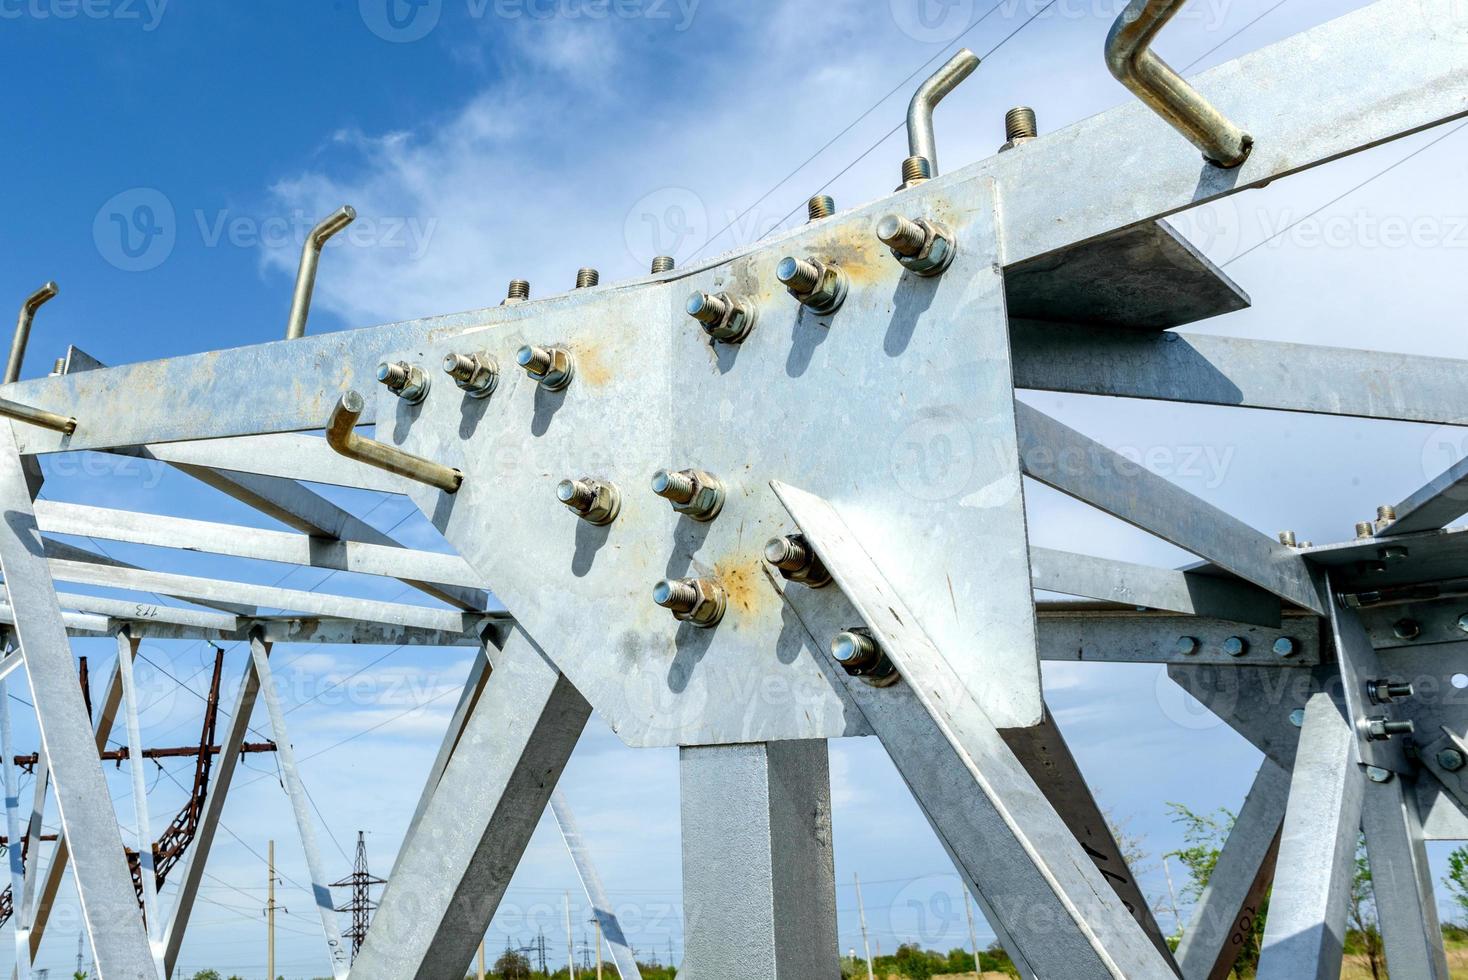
x,y
165,161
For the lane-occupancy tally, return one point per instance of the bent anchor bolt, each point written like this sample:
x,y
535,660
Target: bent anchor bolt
x,y
36,416
306,275
1130,57
23,329
341,436
922,146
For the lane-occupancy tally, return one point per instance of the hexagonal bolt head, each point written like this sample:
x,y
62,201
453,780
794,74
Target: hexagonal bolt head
x,y
594,501
699,601
1407,629
1450,759
1297,717
819,286
858,653
1235,646
1187,646
1379,775
693,493
408,381
797,561
1385,691
476,374
923,247
1285,646
723,316
550,367
1382,728
1463,622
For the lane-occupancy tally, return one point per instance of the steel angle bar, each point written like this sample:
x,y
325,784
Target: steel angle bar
x,y
1023,865
192,587
1234,371
285,455
127,610
1401,882
290,774
247,542
1153,588
757,843
80,624
1228,910
1373,716
126,651
295,629
12,830
1262,704
60,549
12,660
1119,636
455,867
623,955
195,863
104,886
1080,467
1305,932
1435,506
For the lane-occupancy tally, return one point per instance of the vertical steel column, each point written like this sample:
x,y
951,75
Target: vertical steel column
x,y
456,865
606,919
291,775
127,649
1307,910
12,829
198,856
759,878
1229,906
104,886
1402,882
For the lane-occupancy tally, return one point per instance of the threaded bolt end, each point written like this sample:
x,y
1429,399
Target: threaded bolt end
x,y
901,235
707,309
519,289
1365,529
664,263
1386,512
679,595
586,278
394,376
852,649
1020,124
915,170
787,553
576,494
1287,538
798,275
459,367
677,487
820,206
536,360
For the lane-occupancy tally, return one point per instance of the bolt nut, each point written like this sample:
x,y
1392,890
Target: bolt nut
x,y
550,367
923,247
1381,728
723,316
594,501
699,601
476,374
1297,717
1187,646
693,493
408,381
1385,691
819,286
859,655
797,561
1407,629
1450,759
1378,775
1235,646
1285,646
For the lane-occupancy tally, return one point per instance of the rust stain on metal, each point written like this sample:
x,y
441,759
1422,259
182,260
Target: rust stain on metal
x,y
591,367
743,584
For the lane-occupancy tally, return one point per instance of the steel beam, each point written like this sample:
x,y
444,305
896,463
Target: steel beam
x,y
12,830
455,867
1401,882
1228,910
1435,506
285,455
759,881
104,886
1061,457
127,649
1166,589
1306,929
1121,636
623,956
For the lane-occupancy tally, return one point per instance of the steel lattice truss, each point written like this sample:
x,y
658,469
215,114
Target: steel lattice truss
x,y
892,600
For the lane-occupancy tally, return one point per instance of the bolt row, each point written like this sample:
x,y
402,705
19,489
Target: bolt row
x,y
1283,647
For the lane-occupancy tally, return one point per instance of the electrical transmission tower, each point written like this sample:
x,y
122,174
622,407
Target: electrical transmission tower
x,y
360,881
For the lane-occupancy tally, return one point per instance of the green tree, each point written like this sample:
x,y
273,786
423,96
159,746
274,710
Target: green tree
x,y
1203,837
207,975
512,966
1365,935
1457,879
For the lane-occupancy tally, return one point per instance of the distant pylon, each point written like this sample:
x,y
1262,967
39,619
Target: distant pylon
x,y
360,881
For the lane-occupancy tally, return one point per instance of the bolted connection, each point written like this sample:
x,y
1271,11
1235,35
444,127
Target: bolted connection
x,y
519,291
820,206
693,493
819,286
1287,538
1020,124
698,601
1386,691
916,170
723,317
408,381
586,278
860,656
922,246
1285,646
476,374
663,263
594,501
1186,646
550,367
1365,529
1381,729
1450,759
1235,646
1407,629
797,560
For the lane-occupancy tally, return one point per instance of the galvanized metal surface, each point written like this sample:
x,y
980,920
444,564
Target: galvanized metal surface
x,y
1401,881
621,951
1154,588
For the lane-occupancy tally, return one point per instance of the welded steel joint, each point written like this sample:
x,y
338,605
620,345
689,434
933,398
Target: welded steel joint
x,y
923,247
28,309
723,316
306,274
858,653
342,436
921,142
1131,60
693,493
818,286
